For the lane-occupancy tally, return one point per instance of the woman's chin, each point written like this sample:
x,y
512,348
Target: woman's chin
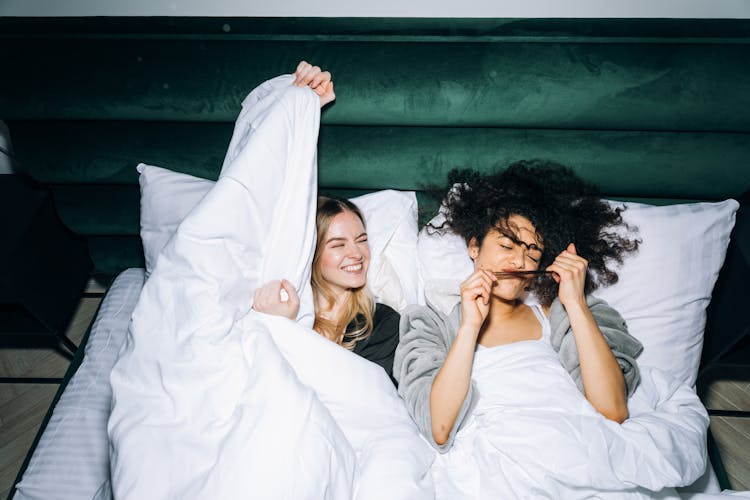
x,y
354,285
509,293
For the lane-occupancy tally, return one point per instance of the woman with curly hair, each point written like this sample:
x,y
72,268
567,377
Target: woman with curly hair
x,y
533,216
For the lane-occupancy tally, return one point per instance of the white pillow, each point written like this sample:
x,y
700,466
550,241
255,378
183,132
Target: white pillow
x,y
166,198
443,263
391,218
663,290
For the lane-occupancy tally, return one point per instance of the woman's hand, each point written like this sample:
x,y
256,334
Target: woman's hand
x,y
278,298
319,81
475,299
570,274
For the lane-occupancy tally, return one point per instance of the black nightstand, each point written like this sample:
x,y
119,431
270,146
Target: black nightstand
x,y
44,268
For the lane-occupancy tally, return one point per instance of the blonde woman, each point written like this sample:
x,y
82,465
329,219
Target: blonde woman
x,y
345,311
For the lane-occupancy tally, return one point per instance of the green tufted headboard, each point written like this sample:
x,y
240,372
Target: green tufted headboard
x,y
646,109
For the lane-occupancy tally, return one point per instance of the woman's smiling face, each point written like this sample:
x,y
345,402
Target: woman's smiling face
x,y
517,248
345,257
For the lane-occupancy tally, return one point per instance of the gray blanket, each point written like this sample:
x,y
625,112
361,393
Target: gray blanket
x,y
427,335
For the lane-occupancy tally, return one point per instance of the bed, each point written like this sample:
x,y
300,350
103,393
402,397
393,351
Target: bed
x,y
651,111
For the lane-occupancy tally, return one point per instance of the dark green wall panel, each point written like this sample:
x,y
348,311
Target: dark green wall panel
x,y
99,209
644,164
646,108
112,254
108,151
353,28
638,86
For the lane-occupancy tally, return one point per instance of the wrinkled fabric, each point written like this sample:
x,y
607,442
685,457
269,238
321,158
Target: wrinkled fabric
x,y
214,400
624,346
427,335
525,430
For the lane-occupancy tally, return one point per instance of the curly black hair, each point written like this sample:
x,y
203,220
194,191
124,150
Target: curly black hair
x,y
562,207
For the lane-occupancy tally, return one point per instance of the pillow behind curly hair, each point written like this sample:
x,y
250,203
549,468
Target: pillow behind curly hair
x,y
662,291
562,207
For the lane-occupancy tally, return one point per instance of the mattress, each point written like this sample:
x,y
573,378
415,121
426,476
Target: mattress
x,y
71,459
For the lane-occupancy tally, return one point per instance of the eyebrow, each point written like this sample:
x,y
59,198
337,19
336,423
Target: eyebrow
x,y
339,238
529,246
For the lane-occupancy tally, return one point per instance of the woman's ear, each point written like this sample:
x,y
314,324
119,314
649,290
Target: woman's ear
x,y
473,248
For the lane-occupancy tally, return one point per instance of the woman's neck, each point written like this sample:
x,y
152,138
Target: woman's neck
x,y
508,322
332,312
502,311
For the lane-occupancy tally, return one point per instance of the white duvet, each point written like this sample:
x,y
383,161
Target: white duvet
x,y
532,434
213,400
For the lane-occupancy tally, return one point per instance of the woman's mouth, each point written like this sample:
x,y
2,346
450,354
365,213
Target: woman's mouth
x,y
353,268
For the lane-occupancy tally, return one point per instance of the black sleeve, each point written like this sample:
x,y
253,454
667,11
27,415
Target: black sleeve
x,y
380,346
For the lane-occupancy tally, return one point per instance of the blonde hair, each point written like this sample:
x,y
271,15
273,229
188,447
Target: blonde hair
x,y
361,305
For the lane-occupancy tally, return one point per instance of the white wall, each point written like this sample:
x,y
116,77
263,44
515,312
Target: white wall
x,y
382,8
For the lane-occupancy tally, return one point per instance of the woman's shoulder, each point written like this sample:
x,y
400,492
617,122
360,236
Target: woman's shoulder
x,y
385,322
426,321
384,312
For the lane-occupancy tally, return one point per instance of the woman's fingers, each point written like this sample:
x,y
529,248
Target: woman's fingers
x,y
303,68
319,79
477,290
265,293
479,284
480,276
291,292
307,77
328,95
277,297
570,273
567,265
306,73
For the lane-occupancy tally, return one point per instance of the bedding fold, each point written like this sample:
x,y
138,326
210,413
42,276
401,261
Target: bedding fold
x,y
205,404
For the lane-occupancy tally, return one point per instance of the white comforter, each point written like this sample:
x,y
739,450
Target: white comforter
x,y
532,434
212,400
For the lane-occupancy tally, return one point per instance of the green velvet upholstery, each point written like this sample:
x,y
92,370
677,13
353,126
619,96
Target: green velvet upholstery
x,y
656,109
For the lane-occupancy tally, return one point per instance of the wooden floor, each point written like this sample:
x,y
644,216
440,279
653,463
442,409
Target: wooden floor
x,y
732,434
23,406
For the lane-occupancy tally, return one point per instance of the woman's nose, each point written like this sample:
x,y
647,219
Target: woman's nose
x,y
518,259
355,252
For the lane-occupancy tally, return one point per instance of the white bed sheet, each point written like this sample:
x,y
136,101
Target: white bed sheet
x,y
71,460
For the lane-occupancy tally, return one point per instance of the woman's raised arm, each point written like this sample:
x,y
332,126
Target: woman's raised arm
x,y
603,381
